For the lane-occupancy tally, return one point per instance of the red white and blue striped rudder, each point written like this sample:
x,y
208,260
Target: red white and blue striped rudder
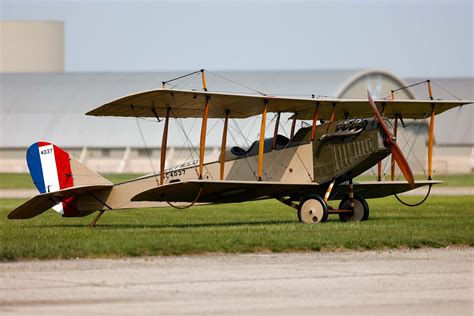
x,y
50,169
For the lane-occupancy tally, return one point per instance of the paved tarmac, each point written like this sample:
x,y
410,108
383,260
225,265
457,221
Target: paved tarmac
x,y
399,282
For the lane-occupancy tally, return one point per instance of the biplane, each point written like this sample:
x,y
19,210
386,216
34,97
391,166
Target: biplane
x,y
315,164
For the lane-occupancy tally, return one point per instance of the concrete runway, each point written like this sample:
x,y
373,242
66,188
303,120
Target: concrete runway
x,y
426,281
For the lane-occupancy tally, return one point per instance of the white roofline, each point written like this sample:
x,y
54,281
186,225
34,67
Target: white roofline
x,y
353,79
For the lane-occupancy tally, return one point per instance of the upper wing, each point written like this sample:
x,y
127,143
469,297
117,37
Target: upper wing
x,y
203,191
43,202
185,103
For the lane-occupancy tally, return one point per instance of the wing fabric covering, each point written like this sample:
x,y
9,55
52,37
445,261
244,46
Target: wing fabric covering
x,y
188,104
222,191
202,191
378,189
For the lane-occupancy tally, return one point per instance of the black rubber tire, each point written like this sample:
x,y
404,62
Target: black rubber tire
x,y
306,205
361,210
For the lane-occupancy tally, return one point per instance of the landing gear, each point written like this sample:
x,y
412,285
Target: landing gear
x,y
313,210
360,213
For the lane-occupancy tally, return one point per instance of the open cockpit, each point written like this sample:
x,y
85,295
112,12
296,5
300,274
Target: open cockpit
x,y
282,142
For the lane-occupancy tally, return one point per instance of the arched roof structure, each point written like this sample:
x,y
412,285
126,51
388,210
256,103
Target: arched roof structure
x,y
375,80
52,106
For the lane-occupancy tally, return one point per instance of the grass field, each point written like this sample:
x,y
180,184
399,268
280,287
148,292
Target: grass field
x,y
245,227
23,180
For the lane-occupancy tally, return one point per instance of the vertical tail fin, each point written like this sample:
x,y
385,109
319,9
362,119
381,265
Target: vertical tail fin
x,y
53,169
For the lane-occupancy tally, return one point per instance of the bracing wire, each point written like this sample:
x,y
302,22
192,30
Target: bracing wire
x,y
189,205
235,82
246,140
411,151
180,77
410,86
144,144
402,88
181,153
410,143
416,204
182,84
448,92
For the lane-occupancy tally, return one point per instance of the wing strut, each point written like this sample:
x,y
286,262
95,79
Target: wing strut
x,y
293,126
392,166
431,135
261,145
224,144
275,132
202,144
315,119
164,142
379,164
205,115
203,77
331,119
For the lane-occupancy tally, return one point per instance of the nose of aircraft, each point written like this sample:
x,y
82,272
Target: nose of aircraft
x,y
391,142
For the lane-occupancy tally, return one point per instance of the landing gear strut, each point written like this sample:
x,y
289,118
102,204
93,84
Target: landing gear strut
x,y
314,209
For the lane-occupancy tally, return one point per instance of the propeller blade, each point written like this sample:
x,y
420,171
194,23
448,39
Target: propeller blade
x,y
402,163
396,151
379,117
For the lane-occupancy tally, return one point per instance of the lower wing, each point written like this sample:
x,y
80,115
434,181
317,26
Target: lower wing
x,y
204,191
378,189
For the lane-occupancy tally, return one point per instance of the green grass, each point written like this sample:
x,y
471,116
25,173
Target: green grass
x,y
23,180
234,228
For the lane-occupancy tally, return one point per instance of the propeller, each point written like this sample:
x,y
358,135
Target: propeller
x,y
390,140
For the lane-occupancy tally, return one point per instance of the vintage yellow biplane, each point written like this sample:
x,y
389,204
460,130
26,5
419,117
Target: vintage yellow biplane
x,y
315,164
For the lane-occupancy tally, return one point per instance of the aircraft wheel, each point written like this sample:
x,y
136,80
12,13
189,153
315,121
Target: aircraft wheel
x,y
313,210
361,210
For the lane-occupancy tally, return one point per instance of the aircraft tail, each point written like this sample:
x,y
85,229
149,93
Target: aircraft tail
x,y
53,169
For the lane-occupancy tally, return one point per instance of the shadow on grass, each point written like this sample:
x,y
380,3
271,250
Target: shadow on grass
x,y
378,218
392,218
180,226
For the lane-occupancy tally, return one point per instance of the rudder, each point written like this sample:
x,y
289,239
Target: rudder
x,y
53,169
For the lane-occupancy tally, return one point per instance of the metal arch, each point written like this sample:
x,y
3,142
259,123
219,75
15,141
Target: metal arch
x,y
359,75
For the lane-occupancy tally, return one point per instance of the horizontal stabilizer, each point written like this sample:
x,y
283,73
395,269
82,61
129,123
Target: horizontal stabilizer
x,y
203,191
41,203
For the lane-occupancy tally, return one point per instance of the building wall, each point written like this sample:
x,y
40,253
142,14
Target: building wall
x,y
28,46
113,160
51,107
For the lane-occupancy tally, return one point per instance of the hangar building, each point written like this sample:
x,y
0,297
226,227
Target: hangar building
x,y
44,103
